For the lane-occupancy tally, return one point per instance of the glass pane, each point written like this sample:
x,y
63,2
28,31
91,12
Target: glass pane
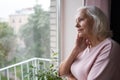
x,y
24,30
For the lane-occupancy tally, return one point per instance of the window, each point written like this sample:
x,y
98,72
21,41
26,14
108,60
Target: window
x,y
20,21
28,29
13,21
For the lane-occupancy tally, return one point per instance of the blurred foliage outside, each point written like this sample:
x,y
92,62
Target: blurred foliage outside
x,y
35,34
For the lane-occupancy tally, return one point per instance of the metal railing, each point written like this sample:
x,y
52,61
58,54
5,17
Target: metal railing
x,y
19,70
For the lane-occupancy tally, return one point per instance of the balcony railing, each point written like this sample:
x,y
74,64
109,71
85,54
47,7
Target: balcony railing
x,y
19,70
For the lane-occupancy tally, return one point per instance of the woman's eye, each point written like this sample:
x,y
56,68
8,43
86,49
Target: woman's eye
x,y
81,19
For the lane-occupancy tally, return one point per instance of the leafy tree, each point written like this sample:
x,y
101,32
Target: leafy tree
x,y
36,33
6,41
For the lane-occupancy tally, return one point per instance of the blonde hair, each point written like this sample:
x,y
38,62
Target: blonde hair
x,y
101,27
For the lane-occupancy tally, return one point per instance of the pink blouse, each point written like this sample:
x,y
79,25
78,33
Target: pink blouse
x,y
92,61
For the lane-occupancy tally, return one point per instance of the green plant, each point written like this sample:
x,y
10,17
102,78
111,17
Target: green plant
x,y
44,73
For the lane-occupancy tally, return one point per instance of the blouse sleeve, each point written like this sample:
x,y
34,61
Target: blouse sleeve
x,y
100,63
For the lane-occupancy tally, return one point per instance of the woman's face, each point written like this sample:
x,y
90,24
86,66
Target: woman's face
x,y
84,24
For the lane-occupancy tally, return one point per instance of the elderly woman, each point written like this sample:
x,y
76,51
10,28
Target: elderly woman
x,y
95,55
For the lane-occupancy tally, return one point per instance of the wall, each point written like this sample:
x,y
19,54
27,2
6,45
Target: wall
x,y
104,5
67,25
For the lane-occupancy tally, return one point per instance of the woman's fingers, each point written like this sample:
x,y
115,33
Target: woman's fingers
x,y
81,42
88,42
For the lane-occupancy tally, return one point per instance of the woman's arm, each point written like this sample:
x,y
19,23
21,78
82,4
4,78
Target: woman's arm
x,y
65,66
100,64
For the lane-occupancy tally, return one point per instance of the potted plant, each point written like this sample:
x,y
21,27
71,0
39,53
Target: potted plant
x,y
49,72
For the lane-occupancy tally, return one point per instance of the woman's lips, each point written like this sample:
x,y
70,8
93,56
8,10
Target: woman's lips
x,y
79,30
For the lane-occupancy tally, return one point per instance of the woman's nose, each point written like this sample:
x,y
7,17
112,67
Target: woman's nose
x,y
77,25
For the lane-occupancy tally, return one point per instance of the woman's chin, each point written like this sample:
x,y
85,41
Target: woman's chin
x,y
81,35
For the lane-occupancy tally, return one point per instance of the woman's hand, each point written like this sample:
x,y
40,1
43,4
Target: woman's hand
x,y
81,42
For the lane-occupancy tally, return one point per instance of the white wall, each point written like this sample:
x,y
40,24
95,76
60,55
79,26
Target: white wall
x,y
68,30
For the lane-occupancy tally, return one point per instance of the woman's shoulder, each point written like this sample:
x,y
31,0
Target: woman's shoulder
x,y
106,43
111,42
115,44
115,50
